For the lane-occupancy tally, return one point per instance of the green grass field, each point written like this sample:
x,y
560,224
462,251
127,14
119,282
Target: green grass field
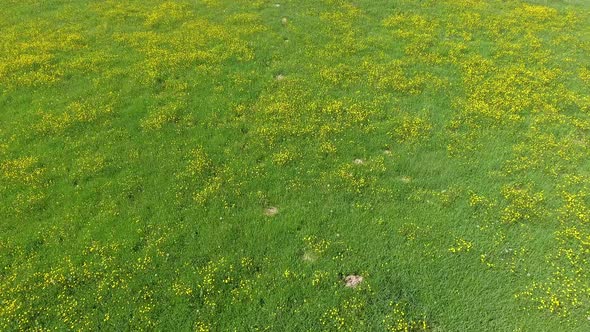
x,y
224,165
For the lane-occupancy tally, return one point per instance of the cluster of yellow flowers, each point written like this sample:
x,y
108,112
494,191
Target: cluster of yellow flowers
x,y
398,321
315,245
98,108
461,245
24,170
345,316
170,113
191,45
411,129
522,205
359,177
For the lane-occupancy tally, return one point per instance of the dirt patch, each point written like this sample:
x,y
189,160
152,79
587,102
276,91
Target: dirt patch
x,y
271,211
309,257
405,179
353,280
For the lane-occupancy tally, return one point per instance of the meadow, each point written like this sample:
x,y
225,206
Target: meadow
x,y
226,165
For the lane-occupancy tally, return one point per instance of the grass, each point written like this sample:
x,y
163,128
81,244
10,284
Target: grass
x,y
224,165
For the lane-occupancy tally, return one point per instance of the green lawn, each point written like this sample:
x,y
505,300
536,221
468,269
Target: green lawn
x,y
224,165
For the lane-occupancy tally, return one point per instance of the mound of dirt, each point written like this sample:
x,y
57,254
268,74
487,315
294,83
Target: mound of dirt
x,y
352,280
